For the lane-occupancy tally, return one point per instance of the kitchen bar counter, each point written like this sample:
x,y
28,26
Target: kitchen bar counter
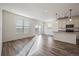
x,y
69,37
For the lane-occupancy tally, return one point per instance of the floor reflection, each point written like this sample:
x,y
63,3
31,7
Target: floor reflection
x,y
45,45
44,40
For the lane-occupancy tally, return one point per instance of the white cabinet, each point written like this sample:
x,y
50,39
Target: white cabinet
x,y
69,37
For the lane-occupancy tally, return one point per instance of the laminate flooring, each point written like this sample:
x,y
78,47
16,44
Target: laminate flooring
x,y
12,48
44,45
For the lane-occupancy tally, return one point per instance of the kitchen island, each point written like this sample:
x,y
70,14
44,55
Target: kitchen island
x,y
69,37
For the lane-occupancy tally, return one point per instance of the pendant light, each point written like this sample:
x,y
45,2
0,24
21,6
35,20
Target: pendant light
x,y
70,18
56,17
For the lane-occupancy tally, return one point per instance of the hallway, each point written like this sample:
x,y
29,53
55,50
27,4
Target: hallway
x,y
42,45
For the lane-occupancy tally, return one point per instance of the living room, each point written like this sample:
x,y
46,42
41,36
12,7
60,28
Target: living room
x,y
51,29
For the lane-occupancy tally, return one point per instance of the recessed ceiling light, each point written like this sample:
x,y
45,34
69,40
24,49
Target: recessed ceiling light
x,y
46,11
70,19
56,22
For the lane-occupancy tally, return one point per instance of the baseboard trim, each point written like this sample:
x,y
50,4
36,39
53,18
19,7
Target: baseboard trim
x,y
48,35
19,39
64,42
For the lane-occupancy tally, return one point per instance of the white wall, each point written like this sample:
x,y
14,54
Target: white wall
x,y
9,26
0,31
53,28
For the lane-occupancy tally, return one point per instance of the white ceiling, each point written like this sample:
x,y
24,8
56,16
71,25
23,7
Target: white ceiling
x,y
42,11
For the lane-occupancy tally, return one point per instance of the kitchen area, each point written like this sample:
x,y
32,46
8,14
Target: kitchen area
x,y
68,30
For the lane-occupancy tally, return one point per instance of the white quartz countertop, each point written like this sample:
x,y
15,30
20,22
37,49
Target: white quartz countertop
x,y
65,32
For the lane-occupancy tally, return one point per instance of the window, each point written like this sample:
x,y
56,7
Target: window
x,y
26,26
22,26
19,26
49,25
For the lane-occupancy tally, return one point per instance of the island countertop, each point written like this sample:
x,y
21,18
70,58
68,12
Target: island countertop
x,y
76,32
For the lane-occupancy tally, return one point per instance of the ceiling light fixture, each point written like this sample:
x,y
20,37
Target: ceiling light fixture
x,y
70,19
56,22
56,17
46,11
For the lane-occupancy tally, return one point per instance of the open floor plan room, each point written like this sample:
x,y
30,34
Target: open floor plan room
x,y
39,29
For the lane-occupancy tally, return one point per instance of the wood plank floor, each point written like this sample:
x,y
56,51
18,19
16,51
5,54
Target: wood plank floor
x,y
47,46
12,48
44,46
